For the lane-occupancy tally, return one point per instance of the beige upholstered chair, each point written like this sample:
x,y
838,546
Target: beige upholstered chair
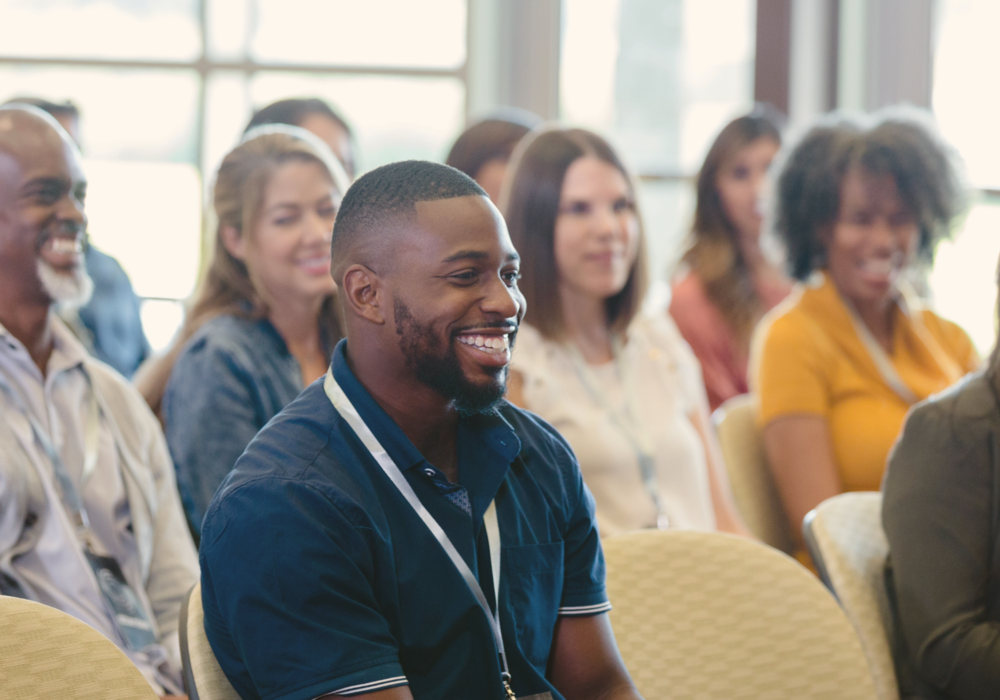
x,y
45,653
845,538
704,615
750,474
203,677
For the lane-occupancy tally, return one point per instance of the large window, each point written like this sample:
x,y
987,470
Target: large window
x,y
661,78
166,87
967,108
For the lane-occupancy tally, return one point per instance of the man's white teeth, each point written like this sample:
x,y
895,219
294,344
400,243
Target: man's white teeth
x,y
66,246
485,342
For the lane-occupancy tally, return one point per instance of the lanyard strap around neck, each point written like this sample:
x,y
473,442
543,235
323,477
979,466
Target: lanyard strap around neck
x,y
69,494
350,414
882,362
628,419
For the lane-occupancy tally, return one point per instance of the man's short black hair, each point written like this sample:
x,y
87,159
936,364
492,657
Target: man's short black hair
x,y
56,109
380,197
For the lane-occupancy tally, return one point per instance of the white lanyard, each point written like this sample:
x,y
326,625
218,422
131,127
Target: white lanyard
x,y
882,362
350,414
628,420
69,494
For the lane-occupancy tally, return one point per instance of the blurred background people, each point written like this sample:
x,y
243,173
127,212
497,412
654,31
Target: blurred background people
x,y
726,283
621,387
940,510
264,322
483,150
110,324
78,448
837,366
316,116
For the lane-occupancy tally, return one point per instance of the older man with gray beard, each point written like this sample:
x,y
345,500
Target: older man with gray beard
x,y
90,520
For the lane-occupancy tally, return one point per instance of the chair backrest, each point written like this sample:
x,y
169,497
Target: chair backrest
x,y
845,538
45,653
204,679
750,474
708,615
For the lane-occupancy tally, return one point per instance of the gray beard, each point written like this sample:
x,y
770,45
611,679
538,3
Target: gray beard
x,y
67,289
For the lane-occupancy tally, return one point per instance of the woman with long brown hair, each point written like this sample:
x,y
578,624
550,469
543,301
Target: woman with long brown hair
x,y
264,321
618,384
726,282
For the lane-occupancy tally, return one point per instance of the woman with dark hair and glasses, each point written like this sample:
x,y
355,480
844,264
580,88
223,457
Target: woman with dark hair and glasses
x,y
621,386
940,509
837,366
727,283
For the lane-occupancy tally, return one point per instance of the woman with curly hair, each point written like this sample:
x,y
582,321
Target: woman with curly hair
x,y
727,283
838,364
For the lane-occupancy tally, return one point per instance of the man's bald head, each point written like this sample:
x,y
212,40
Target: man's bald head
x,y
24,128
380,200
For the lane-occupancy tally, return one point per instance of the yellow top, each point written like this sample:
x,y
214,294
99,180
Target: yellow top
x,y
807,358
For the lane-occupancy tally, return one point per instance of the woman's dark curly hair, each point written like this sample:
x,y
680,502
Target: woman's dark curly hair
x,y
898,144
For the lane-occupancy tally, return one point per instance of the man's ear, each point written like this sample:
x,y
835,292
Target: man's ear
x,y
364,294
234,241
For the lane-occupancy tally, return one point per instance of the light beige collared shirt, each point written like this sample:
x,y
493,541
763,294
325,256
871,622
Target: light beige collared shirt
x,y
54,570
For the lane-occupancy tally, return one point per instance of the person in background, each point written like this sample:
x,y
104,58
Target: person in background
x,y
316,116
264,321
483,150
109,325
726,283
90,521
940,510
838,364
620,385
339,554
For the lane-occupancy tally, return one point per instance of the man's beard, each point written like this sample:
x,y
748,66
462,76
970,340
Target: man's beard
x,y
69,289
442,370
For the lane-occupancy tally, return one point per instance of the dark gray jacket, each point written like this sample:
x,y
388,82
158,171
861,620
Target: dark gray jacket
x,y
941,512
231,378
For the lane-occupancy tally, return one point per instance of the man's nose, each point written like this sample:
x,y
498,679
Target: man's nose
x,y
70,210
502,300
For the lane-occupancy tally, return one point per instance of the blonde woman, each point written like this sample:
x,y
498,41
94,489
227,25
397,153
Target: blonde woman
x,y
622,387
264,322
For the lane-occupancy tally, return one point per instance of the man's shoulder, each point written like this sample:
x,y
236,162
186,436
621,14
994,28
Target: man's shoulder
x,y
120,395
305,447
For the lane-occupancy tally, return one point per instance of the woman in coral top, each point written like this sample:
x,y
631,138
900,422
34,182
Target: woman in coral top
x,y
726,283
837,366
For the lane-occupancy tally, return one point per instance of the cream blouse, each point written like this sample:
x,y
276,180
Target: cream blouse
x,y
582,404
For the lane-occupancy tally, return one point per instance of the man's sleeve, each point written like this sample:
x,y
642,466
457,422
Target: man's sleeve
x,y
289,596
938,512
583,585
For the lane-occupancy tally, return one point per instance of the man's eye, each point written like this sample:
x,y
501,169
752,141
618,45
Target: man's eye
x,y
466,276
511,277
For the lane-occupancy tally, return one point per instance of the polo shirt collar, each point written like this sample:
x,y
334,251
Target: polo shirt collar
x,y
67,352
490,430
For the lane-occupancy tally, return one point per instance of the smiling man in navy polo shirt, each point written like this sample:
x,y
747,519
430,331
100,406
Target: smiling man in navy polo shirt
x,y
352,551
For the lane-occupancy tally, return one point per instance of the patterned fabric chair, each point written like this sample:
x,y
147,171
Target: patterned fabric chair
x,y
203,677
45,653
845,538
706,615
750,474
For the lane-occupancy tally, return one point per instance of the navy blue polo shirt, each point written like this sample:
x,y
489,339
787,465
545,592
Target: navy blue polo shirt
x,y
318,577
